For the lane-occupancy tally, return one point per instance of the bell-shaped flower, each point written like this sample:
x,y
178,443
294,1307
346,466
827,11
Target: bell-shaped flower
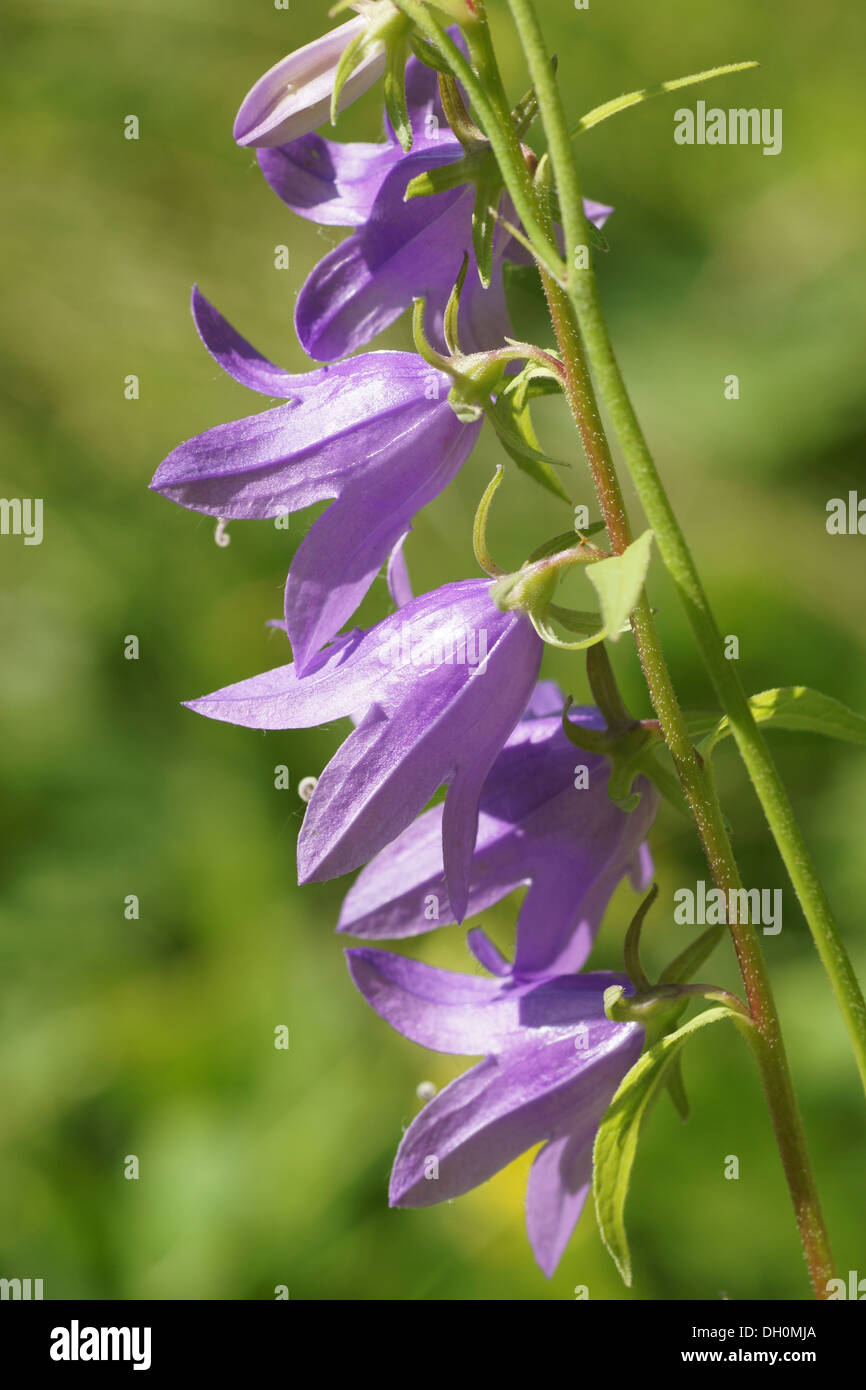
x,y
546,822
436,689
376,433
294,96
552,1062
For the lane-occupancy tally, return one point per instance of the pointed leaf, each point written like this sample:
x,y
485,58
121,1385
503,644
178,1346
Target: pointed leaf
x,y
800,710
612,108
619,582
618,1133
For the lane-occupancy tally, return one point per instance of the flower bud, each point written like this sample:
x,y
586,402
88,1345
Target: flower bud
x,y
294,96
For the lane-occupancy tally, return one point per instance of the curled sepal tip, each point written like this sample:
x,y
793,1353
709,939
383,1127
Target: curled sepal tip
x,y
479,529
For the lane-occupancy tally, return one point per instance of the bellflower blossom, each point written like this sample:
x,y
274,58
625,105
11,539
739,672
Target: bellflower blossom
x,y
552,1062
437,688
376,433
538,825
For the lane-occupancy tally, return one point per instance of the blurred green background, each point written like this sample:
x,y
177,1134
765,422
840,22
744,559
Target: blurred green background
x,y
154,1037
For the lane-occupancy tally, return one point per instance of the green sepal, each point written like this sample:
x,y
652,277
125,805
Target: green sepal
x,y
450,322
529,592
350,59
442,179
427,54
487,190
394,87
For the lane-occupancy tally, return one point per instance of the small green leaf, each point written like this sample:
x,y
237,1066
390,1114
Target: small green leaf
x,y
612,108
619,582
617,1138
800,710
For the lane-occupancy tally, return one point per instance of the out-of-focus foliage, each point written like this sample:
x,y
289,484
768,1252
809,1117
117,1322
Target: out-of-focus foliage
x,y
154,1037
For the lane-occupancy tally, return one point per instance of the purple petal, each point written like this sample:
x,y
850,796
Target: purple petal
x,y
546,699
354,418
452,725
335,183
399,583
487,953
559,1182
278,699
572,847
439,1009
470,1015
437,711
240,360
505,1105
596,213
345,549
329,183
405,251
642,869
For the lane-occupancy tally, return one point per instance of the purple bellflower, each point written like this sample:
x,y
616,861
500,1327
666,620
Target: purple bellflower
x,y
436,689
540,826
294,96
376,433
552,1062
